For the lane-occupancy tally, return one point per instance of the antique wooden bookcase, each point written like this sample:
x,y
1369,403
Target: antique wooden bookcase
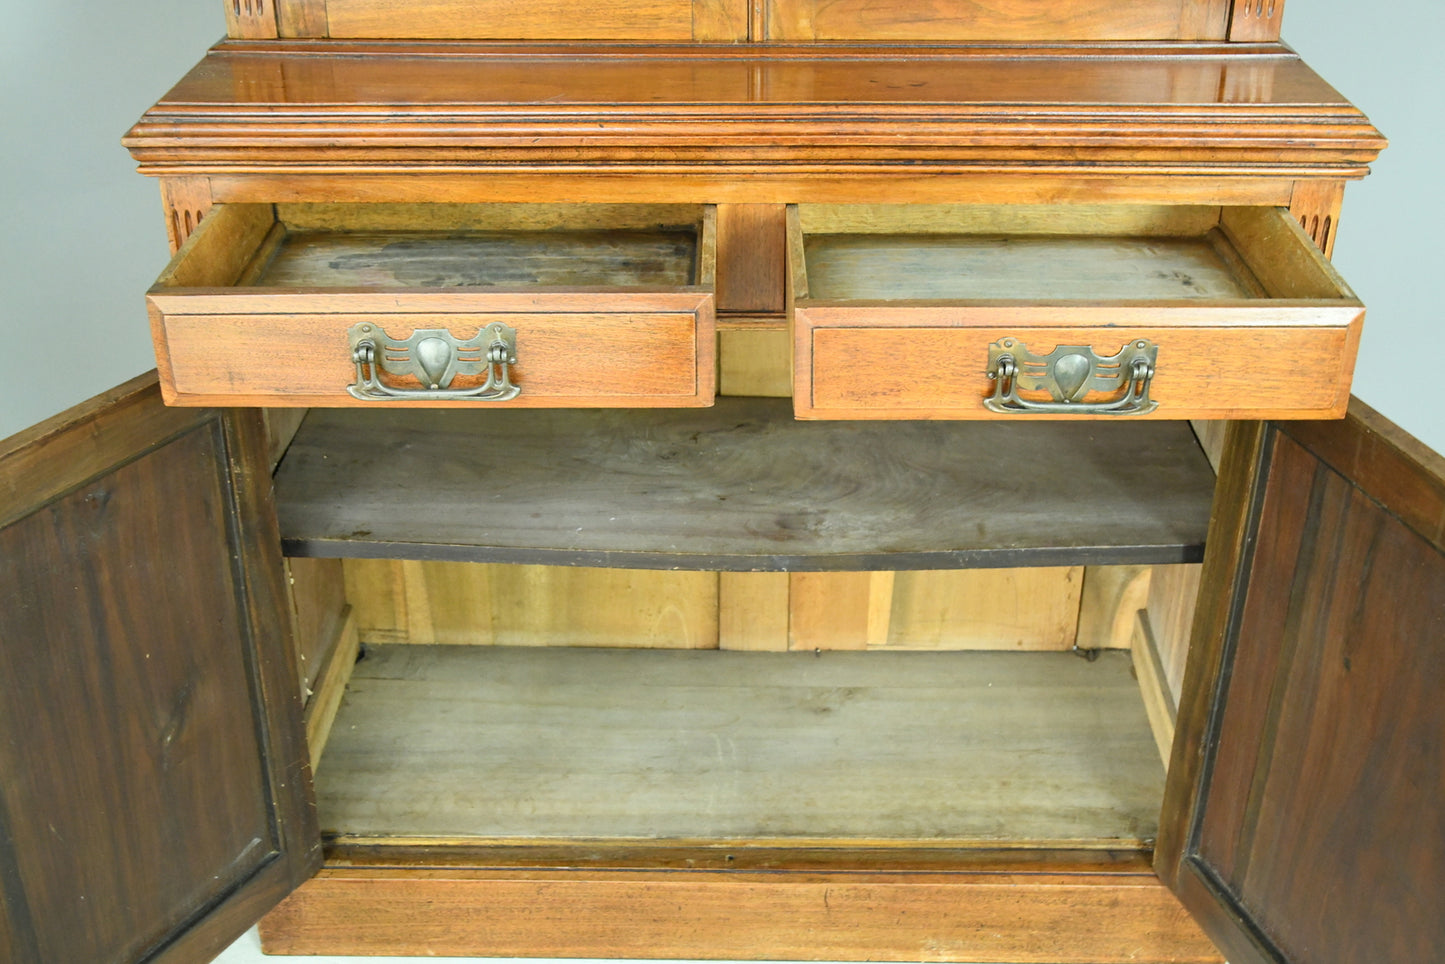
x,y
844,481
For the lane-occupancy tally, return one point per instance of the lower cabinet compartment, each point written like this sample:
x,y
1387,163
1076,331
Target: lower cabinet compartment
x,y
540,744
798,762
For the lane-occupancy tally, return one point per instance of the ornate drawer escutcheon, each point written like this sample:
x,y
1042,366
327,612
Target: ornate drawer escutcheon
x,y
1069,373
434,357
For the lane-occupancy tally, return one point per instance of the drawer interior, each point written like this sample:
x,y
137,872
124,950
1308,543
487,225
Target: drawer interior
x,y
1058,253
489,246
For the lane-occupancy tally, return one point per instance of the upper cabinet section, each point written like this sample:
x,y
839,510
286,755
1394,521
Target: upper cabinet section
x,y
288,108
759,21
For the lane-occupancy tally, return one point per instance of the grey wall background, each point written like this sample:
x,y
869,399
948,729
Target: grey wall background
x,y
83,237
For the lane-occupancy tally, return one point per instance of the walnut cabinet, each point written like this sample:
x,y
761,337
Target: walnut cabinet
x,y
659,534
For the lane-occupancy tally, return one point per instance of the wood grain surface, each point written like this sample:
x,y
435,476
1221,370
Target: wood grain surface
x,y
154,801
1017,915
440,742
1327,766
1318,632
592,259
740,486
972,268
884,363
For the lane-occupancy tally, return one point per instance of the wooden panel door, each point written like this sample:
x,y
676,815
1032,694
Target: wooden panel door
x,y
154,796
1305,817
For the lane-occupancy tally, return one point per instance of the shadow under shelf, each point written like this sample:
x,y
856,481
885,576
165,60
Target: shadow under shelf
x,y
741,486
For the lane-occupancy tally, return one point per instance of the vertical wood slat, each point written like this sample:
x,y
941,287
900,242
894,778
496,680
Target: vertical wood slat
x,y
318,603
251,19
1316,206
754,359
301,18
330,687
1173,596
1226,546
752,244
1012,609
1109,599
1160,704
1255,20
720,21
828,610
753,611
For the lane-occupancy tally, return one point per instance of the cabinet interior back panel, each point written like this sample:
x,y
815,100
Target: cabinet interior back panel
x,y
519,744
424,259
896,267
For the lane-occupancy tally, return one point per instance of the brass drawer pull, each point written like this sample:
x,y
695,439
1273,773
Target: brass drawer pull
x,y
1068,374
434,357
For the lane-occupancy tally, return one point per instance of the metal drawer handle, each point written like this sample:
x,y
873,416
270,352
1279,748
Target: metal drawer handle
x,y
1068,374
434,357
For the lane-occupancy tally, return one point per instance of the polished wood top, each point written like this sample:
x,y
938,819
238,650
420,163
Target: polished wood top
x,y
1153,108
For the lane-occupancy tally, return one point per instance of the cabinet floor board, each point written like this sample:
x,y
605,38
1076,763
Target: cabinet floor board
x,y
741,486
945,748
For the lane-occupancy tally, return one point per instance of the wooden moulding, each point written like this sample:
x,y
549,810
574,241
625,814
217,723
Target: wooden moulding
x,y
994,916
226,333
752,184
807,114
1249,318
741,486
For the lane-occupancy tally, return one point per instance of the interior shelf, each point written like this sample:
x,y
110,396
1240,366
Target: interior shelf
x,y
742,486
548,744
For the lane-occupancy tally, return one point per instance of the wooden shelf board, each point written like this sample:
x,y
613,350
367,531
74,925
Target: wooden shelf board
x,y
740,487
497,743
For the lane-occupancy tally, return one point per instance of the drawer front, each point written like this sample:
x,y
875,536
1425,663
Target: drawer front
x,y
885,364
654,350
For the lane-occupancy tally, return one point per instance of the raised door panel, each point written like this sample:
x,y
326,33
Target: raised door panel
x,y
991,20
154,799
656,20
1309,828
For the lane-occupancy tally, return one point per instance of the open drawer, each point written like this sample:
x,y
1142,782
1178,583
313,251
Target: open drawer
x,y
440,305
1065,311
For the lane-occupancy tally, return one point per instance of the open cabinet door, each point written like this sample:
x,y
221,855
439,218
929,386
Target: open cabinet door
x,y
154,795
1305,812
